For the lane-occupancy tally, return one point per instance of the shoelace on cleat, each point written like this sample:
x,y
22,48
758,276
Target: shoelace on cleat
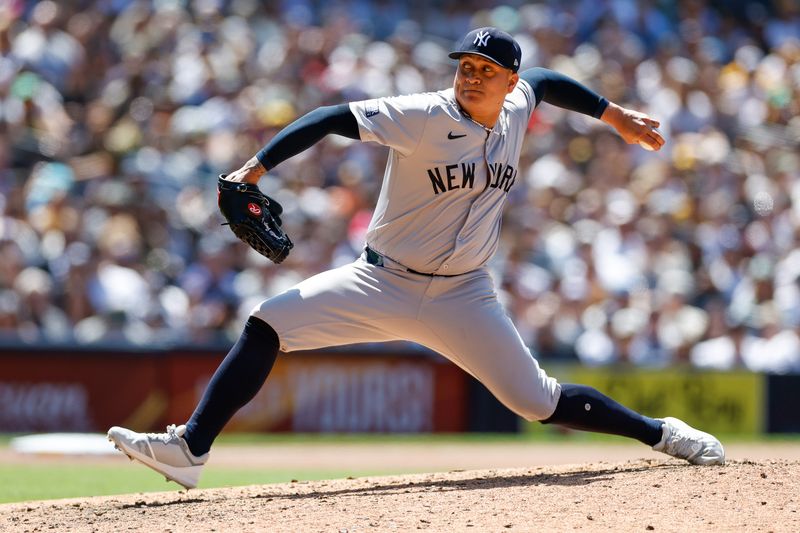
x,y
166,438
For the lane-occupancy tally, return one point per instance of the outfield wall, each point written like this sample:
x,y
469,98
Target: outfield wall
x,y
354,390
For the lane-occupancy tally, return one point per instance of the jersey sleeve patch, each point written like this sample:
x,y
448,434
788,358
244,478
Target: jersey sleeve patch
x,y
394,121
371,108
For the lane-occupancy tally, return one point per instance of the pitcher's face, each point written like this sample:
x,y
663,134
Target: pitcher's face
x,y
481,85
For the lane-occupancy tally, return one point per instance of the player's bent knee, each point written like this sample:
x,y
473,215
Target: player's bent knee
x,y
537,415
263,328
532,409
535,401
265,315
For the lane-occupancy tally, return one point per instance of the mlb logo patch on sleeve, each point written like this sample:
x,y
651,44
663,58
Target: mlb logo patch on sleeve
x,y
371,108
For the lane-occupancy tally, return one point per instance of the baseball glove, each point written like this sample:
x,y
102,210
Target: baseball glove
x,y
254,218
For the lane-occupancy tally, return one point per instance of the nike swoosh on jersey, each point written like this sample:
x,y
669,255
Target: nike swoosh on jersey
x,y
451,136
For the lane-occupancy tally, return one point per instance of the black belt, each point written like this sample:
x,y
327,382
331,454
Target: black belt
x,y
374,258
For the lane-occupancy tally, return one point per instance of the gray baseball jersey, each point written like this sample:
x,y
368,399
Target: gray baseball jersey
x,y
446,180
439,211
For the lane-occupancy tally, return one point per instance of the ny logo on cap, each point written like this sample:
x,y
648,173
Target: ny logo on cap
x,y
482,38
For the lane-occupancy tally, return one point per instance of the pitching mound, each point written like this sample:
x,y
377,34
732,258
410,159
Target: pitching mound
x,y
642,495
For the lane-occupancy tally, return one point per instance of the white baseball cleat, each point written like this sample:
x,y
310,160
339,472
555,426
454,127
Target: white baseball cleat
x,y
681,440
166,453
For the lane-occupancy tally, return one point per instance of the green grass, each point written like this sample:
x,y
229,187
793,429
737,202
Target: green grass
x,y
541,434
56,479
368,438
50,480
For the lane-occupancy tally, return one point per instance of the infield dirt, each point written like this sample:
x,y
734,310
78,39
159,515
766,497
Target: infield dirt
x,y
653,493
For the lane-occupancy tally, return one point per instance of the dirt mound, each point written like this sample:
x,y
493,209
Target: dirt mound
x,y
637,495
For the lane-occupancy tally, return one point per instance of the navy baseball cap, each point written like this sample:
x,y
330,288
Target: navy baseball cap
x,y
493,44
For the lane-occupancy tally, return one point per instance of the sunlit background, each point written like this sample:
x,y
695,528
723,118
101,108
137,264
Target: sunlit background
x,y
116,116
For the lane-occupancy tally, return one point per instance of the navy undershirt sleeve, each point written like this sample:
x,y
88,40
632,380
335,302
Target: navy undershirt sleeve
x,y
562,91
307,131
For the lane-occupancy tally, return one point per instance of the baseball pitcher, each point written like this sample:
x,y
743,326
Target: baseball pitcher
x,y
453,159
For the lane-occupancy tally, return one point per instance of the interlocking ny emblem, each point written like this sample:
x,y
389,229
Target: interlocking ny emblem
x,y
482,38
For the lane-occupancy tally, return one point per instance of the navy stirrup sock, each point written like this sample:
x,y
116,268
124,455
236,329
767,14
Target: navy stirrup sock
x,y
237,380
585,408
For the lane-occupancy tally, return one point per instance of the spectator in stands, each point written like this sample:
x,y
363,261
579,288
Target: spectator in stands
x,y
115,118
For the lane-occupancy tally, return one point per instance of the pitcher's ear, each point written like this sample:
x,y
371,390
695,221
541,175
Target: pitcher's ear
x,y
512,81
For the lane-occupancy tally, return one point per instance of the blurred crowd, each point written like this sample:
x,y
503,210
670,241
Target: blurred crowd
x,y
117,115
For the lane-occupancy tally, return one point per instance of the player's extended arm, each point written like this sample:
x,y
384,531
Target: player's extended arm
x,y
297,137
562,91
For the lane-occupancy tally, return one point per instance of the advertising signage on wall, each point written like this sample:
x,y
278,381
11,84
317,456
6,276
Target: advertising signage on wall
x,y
346,394
353,392
320,392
